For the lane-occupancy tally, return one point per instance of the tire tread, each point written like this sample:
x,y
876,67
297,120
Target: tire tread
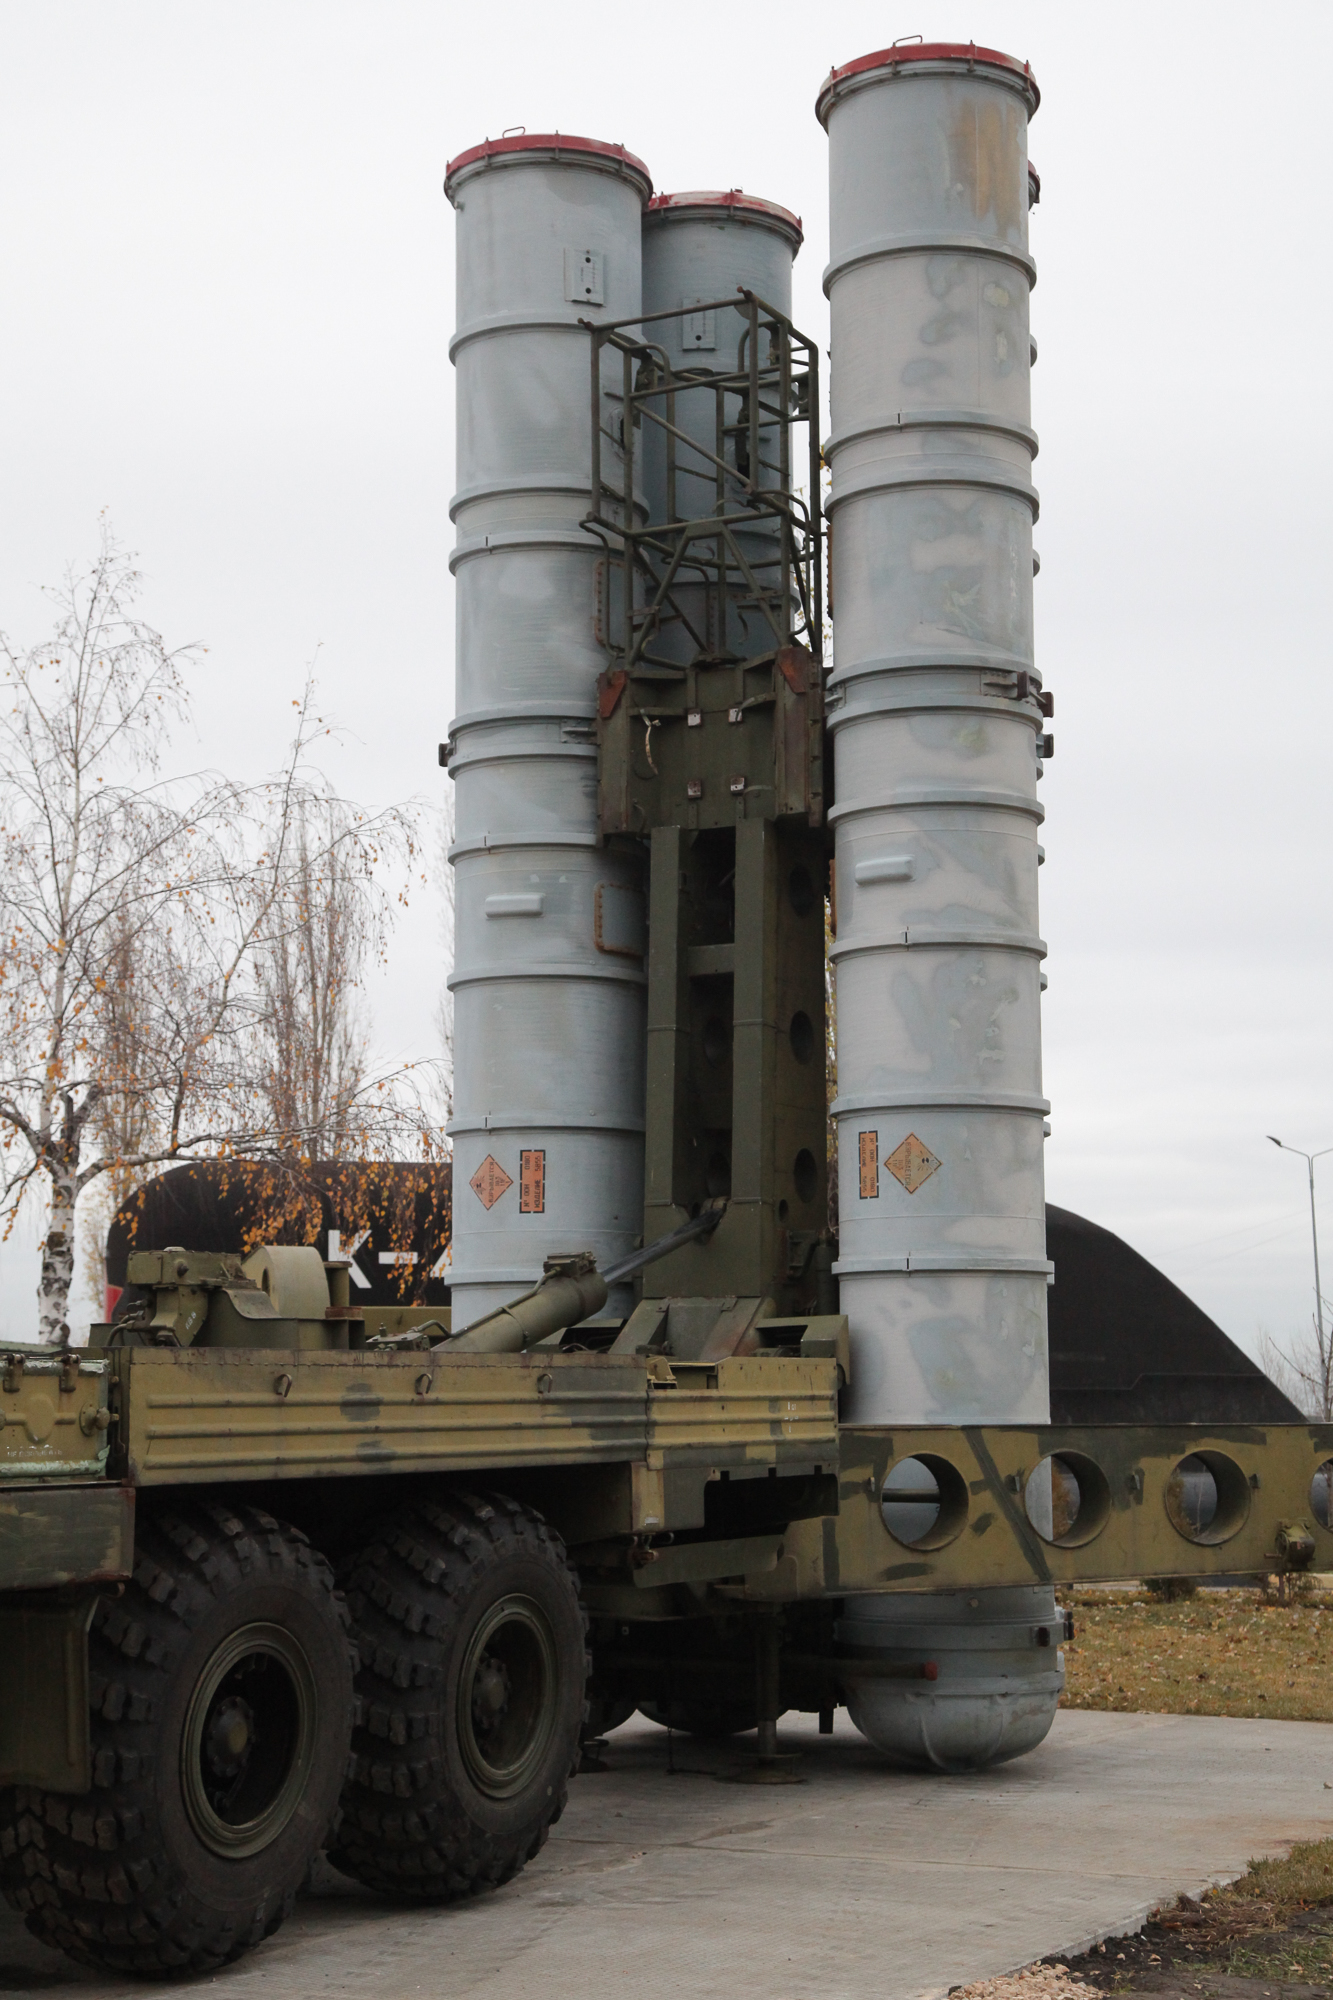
x,y
397,1833
130,1911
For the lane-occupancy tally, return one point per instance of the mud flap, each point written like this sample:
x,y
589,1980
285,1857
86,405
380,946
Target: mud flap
x,y
44,1694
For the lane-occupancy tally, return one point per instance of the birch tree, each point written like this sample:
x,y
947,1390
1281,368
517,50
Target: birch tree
x,y
312,1037
151,931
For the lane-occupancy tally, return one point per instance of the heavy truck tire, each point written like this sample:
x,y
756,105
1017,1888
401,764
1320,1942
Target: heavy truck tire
x,y
221,1714
473,1645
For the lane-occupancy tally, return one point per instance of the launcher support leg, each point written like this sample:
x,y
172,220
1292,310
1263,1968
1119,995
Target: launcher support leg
x,y
767,1675
769,1765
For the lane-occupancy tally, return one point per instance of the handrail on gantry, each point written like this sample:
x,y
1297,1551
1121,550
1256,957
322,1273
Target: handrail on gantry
x,y
749,468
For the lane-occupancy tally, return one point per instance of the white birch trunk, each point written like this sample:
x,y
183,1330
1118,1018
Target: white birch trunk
x,y
57,1269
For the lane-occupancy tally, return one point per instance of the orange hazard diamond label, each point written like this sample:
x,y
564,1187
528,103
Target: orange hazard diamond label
x,y
490,1181
912,1163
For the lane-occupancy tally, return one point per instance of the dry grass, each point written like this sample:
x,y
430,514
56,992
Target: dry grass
x,y
1223,1652
1301,1880
1275,1923
1280,1909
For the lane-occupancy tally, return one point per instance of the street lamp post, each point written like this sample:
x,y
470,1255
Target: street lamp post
x,y
1310,1159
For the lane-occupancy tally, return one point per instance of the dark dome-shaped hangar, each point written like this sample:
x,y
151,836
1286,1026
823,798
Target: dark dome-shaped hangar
x,y
1128,1346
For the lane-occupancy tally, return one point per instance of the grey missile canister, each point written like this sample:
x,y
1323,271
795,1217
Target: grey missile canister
x,y
937,718
699,247
548,977
999,1672
937,713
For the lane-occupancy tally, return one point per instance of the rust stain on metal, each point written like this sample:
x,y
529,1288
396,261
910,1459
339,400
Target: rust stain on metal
x,y
610,687
599,927
792,664
982,145
490,1181
912,1163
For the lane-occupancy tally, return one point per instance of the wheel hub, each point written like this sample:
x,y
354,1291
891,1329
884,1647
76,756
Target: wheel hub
x,y
247,1748
508,1696
229,1737
490,1693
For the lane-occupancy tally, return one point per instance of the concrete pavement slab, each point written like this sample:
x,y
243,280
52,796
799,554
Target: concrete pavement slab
x,y
861,1883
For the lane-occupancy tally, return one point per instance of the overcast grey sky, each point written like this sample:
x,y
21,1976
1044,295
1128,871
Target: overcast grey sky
x,y
228,266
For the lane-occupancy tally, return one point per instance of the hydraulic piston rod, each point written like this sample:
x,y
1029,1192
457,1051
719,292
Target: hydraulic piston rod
x,y
572,1289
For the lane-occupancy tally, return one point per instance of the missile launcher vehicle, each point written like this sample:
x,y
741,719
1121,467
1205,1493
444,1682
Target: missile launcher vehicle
x,y
725,1418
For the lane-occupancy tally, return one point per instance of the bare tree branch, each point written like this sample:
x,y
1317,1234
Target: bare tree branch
x,y
180,962
1302,1368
